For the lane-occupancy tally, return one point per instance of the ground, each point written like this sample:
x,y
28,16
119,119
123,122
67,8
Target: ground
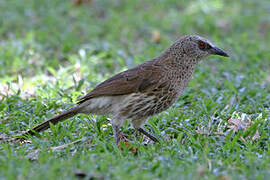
x,y
52,52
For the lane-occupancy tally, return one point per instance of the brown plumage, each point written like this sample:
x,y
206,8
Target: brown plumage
x,y
144,90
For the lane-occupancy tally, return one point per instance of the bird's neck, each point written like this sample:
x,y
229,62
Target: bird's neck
x,y
177,60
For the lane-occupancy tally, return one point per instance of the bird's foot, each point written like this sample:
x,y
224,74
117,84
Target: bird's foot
x,y
149,135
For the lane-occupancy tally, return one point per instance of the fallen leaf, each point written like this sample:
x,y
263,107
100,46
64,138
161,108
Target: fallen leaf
x,y
156,37
237,124
126,145
80,2
242,122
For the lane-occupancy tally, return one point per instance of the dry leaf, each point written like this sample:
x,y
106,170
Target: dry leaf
x,y
239,123
80,2
156,37
127,146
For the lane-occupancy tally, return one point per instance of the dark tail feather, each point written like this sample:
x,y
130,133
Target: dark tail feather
x,y
61,117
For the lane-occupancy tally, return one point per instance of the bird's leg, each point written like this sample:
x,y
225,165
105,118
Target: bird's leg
x,y
153,138
116,133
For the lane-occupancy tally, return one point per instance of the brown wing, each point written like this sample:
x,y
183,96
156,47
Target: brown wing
x,y
137,79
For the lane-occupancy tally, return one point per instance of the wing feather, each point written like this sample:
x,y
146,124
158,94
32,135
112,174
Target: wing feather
x,y
137,79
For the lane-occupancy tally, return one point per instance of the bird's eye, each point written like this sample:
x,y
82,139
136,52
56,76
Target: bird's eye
x,y
201,45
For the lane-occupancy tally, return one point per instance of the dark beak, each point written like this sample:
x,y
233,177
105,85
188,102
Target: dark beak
x,y
219,52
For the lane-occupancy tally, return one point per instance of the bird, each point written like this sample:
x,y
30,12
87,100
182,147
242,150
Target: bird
x,y
142,91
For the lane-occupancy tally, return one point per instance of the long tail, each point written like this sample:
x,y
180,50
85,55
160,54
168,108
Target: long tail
x,y
61,117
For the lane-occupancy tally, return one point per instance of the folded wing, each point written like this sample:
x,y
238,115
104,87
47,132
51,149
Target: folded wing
x,y
138,79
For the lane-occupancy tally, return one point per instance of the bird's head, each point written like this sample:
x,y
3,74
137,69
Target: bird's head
x,y
196,47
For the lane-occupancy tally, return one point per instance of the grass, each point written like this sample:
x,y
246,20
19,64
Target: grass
x,y
51,52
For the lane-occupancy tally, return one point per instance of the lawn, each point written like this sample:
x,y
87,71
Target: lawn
x,y
52,52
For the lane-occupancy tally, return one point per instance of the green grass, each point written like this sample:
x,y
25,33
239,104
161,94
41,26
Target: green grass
x,y
52,52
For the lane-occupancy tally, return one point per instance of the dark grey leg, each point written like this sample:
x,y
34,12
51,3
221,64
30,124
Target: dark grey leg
x,y
153,138
116,133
